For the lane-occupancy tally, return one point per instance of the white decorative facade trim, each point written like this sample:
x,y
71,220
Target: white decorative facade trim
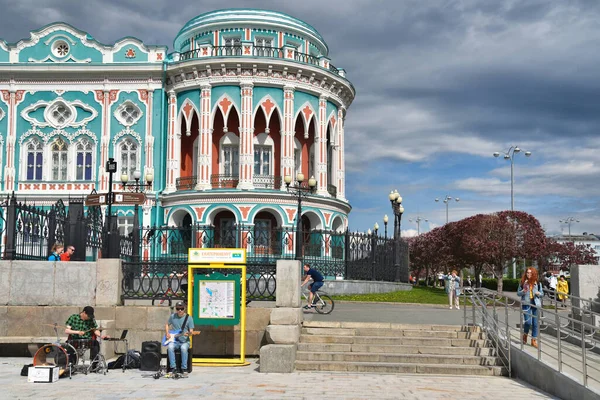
x,y
59,60
128,113
125,132
49,120
2,113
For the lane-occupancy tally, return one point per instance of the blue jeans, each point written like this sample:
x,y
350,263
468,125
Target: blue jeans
x,y
530,319
184,353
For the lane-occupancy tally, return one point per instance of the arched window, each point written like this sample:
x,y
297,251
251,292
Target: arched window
x,y
59,151
297,157
263,154
84,159
129,157
35,160
230,155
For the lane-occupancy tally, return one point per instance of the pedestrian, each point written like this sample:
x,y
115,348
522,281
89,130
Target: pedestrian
x,y
453,288
553,283
66,256
57,250
562,287
531,292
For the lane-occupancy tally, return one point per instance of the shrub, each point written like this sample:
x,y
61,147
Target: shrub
x,y
508,285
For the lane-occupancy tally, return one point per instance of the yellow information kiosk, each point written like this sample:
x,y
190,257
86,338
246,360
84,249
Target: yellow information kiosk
x,y
218,295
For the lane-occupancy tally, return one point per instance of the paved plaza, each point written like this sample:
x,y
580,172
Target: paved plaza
x,y
247,382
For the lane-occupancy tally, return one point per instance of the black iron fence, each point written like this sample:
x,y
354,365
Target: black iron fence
x,y
29,231
161,267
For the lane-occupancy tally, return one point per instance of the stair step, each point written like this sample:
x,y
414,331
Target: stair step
x,y
393,333
397,349
407,368
395,358
383,340
384,325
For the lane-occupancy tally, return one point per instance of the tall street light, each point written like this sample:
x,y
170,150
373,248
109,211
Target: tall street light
x,y
569,221
385,221
510,155
396,201
136,187
300,191
418,221
447,201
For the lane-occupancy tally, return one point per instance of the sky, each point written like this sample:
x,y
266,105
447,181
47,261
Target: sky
x,y
440,86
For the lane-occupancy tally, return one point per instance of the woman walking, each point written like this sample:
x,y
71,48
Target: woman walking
x,y
57,250
531,293
453,288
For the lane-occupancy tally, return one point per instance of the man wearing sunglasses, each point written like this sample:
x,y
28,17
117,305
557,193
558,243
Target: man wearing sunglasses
x,y
178,329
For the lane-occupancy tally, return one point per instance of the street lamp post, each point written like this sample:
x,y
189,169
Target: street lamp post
x,y
111,236
569,221
418,221
300,191
385,221
510,155
396,202
447,200
136,187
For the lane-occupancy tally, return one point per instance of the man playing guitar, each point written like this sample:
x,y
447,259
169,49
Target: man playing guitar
x,y
178,330
82,326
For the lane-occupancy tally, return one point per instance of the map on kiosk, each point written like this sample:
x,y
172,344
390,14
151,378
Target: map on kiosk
x,y
217,299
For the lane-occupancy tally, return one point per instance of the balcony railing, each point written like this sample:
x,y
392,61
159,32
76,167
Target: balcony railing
x,y
266,182
257,51
222,181
332,190
186,183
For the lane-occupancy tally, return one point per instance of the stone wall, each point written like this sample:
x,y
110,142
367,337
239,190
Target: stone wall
x,y
338,287
47,283
143,323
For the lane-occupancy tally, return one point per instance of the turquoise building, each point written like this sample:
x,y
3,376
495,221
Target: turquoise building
x,y
245,98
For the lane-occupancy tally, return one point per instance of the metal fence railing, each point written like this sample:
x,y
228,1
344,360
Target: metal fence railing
x,y
568,339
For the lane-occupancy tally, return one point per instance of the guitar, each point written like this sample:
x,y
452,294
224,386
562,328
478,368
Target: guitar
x,y
174,335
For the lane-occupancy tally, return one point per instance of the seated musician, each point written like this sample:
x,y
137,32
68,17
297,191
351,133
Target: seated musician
x,y
182,323
83,327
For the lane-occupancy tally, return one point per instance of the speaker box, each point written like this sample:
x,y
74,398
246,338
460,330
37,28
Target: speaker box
x,y
150,361
150,357
151,347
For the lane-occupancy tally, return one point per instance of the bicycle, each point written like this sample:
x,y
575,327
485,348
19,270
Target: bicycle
x,y
322,302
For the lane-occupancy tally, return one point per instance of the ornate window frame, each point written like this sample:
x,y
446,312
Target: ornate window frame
x,y
118,151
63,165
123,109
263,140
25,159
74,156
230,139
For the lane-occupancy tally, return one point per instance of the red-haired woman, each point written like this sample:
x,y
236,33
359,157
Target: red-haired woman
x,y
531,293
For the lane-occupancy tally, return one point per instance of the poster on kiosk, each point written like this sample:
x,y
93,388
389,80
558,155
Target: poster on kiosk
x,y
218,295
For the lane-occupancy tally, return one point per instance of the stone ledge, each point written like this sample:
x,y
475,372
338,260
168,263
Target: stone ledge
x,y
278,358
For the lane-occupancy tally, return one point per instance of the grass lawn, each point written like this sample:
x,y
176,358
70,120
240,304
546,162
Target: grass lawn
x,y
418,294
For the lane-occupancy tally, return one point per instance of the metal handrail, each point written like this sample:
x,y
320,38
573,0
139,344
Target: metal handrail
x,y
564,340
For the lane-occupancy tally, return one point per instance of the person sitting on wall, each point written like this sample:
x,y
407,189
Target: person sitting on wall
x,y
83,327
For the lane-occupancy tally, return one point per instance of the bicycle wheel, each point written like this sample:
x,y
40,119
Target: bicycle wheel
x,y
324,305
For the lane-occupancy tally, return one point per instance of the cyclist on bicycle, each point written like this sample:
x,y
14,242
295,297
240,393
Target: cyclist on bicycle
x,y
317,278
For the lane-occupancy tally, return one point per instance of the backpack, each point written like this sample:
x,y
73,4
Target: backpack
x,y
53,257
134,361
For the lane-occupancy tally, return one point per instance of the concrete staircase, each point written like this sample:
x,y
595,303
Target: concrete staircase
x,y
396,348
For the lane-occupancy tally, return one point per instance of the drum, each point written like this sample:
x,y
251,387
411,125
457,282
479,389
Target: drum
x,y
52,354
81,344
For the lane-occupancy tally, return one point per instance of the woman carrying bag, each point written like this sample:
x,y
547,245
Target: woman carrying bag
x,y
531,292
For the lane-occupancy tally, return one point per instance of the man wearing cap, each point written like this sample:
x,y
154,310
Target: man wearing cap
x,y
179,322
82,326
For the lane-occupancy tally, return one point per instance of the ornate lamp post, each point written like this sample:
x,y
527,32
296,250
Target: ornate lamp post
x,y
300,191
396,202
510,155
418,221
569,221
112,239
385,221
447,200
136,187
